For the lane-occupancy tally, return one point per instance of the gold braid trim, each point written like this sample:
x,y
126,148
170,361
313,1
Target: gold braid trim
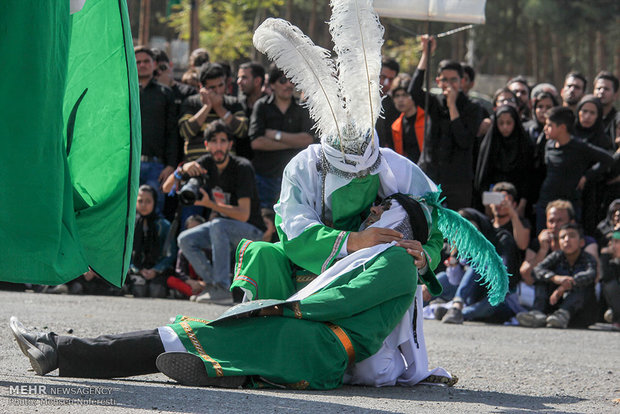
x,y
187,318
192,337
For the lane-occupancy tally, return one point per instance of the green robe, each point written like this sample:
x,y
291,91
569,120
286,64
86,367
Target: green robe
x,y
299,349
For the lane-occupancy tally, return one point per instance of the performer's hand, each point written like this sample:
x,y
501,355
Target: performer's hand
x,y
372,236
414,248
271,311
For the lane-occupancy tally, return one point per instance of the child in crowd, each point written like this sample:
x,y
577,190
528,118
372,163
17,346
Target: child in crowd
x,y
186,282
148,260
610,279
570,274
570,163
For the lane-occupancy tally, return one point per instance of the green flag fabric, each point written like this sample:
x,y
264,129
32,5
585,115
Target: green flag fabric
x,y
69,141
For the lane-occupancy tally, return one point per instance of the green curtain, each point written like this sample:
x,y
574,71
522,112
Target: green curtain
x,y
69,141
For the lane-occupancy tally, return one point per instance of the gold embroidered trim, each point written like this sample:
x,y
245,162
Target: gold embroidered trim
x,y
301,385
305,278
344,339
335,250
190,319
192,337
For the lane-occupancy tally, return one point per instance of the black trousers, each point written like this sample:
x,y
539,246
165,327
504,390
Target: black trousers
x,y
109,356
611,290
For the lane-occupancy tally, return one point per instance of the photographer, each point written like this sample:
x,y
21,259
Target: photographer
x,y
228,189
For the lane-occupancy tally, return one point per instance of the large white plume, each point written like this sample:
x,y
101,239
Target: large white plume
x,y
358,37
309,67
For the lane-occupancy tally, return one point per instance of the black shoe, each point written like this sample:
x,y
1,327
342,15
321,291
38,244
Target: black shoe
x,y
39,348
189,369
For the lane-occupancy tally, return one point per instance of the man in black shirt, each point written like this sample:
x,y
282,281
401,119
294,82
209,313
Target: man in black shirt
x,y
606,89
279,129
233,201
389,71
250,79
447,154
159,125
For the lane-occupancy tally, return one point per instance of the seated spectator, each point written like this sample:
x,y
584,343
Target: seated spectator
x,y
469,301
569,274
90,283
610,279
148,260
233,199
185,281
570,163
506,216
408,130
532,295
505,154
589,123
609,224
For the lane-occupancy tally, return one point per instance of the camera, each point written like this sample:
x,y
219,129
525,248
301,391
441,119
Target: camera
x,y
190,192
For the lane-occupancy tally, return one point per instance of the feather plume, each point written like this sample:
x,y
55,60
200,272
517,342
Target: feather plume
x,y
473,247
358,37
309,67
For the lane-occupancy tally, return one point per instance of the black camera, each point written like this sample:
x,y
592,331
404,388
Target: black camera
x,y
190,192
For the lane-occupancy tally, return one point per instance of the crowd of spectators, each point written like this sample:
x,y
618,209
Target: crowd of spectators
x,y
537,171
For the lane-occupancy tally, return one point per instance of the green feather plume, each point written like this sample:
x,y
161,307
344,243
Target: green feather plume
x,y
472,247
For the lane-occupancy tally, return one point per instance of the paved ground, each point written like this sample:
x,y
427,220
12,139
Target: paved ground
x,y
501,369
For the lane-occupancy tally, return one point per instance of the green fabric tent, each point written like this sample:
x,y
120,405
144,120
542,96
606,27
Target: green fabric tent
x,y
69,141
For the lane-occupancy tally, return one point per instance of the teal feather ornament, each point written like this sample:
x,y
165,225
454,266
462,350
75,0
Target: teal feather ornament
x,y
472,247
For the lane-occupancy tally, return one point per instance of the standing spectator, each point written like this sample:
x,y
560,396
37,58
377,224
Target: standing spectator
x,y
545,87
279,129
606,89
250,78
570,163
389,71
233,200
574,89
447,156
159,128
408,129
541,104
589,123
148,260
610,279
570,274
521,89
467,84
198,57
505,154
210,104
165,76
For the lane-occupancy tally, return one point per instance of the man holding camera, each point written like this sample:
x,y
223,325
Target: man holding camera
x,y
227,187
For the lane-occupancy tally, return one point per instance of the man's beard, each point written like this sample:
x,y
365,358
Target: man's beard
x,y
224,158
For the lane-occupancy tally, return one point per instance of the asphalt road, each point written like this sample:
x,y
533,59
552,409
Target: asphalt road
x,y
501,369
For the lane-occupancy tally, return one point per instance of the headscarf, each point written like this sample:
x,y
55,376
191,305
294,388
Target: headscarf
x,y
595,134
146,240
503,157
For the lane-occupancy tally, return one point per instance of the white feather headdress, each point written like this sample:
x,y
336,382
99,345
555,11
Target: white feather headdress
x,y
343,98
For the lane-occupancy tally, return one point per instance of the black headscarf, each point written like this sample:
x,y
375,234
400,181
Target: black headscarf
x,y
594,135
145,238
503,158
